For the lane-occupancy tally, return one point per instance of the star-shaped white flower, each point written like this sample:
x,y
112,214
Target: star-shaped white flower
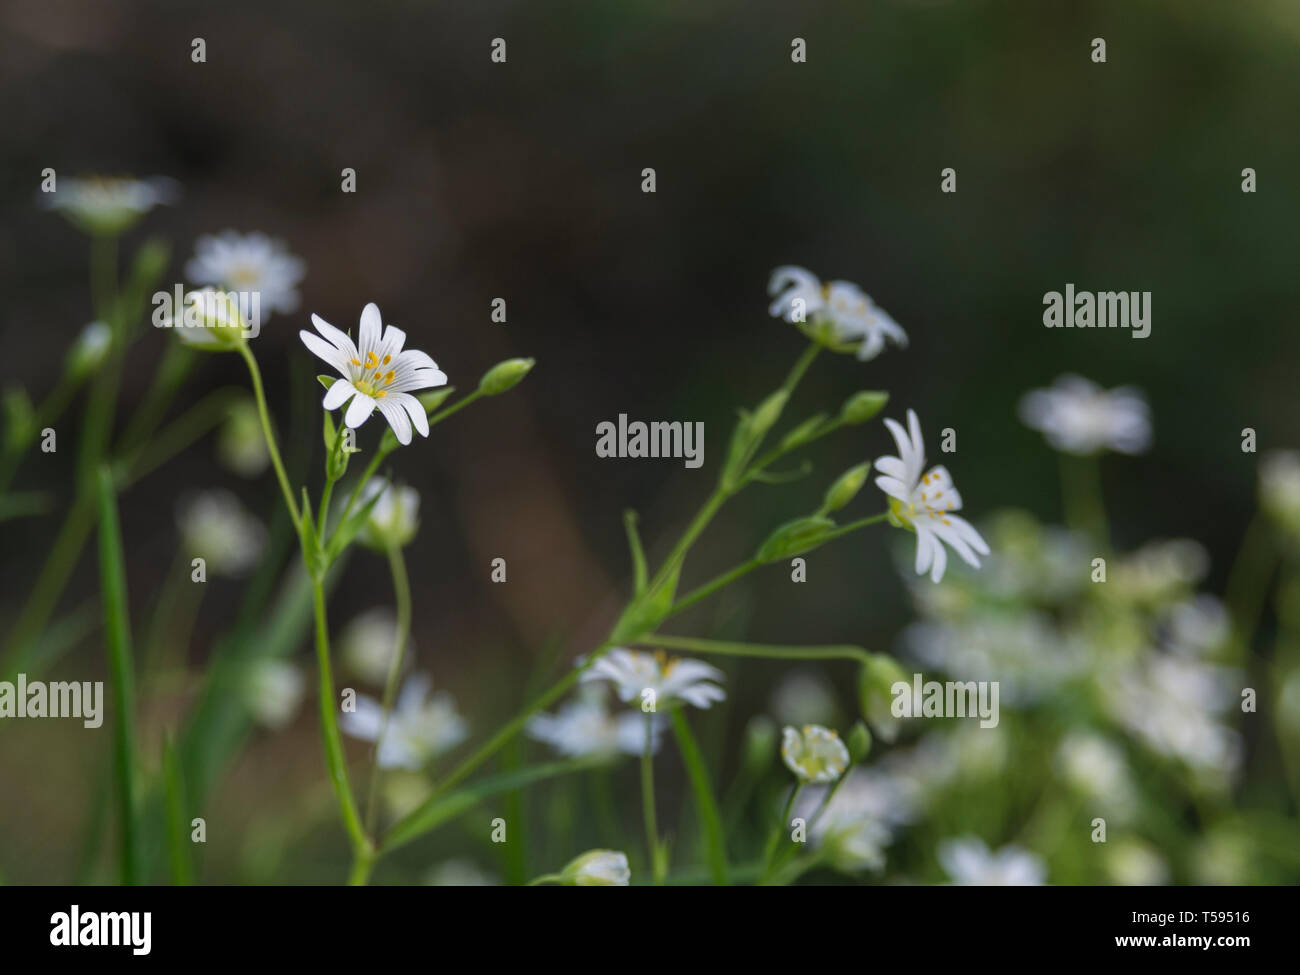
x,y
633,673
584,726
1079,417
109,205
926,502
969,862
249,263
843,309
376,373
418,729
814,754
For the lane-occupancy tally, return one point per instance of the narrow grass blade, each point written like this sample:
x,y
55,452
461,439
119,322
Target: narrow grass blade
x,y
705,805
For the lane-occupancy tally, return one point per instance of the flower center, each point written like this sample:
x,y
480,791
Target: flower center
x,y
370,378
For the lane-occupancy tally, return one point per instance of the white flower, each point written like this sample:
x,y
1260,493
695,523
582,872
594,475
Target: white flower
x,y
1279,487
1132,863
1096,768
366,644
858,821
211,321
633,673
249,263
418,729
598,868
376,373
394,518
840,308
273,691
100,205
814,754
1078,417
216,528
925,502
968,861
584,726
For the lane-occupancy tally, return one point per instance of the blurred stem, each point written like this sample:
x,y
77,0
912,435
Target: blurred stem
x,y
362,849
259,394
103,275
402,595
774,840
162,446
117,638
1081,491
774,651
706,806
322,516
175,366
182,872
638,553
1247,587
653,849
101,403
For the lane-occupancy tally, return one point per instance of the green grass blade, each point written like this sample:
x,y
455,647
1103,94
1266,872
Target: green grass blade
x,y
178,849
705,805
117,639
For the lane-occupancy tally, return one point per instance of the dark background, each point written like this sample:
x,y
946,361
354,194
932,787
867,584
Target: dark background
x,y
522,180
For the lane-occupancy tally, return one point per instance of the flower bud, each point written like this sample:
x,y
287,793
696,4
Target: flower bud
x,y
434,398
90,348
876,681
393,519
846,488
504,375
795,537
760,743
768,412
814,754
861,407
859,743
598,868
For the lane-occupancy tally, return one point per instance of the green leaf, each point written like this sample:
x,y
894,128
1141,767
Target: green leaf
x,y
803,432
705,804
796,537
327,381
117,639
638,553
178,821
437,809
330,432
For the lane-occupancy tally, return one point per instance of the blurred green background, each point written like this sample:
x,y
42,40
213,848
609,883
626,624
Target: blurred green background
x,y
522,181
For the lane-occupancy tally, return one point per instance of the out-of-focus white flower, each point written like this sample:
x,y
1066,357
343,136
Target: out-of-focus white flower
x,y
839,313
860,819
419,729
215,527
925,503
598,868
1096,768
394,519
814,754
248,263
273,691
459,873
803,698
1279,487
584,726
210,321
377,373
108,206
1158,573
240,444
367,643
969,862
1198,626
1079,417
1130,862
90,348
1173,705
668,679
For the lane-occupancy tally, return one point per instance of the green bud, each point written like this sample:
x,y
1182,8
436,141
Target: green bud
x,y
803,432
876,681
768,412
434,398
89,350
846,488
760,744
19,417
859,742
597,868
504,375
795,537
861,407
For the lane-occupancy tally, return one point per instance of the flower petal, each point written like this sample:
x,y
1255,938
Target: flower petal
x,y
359,410
338,394
397,419
372,323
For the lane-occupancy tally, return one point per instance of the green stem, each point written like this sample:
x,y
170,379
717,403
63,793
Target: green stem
x,y
774,840
362,864
1081,490
322,516
648,802
402,594
259,394
546,878
772,651
332,738
705,804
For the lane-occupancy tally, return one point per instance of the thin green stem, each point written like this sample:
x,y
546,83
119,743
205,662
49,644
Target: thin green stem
x,y
648,802
771,651
322,516
1081,489
332,738
706,806
402,595
259,394
774,840
546,878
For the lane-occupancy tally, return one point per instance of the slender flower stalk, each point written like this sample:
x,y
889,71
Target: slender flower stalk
x,y
402,596
654,849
